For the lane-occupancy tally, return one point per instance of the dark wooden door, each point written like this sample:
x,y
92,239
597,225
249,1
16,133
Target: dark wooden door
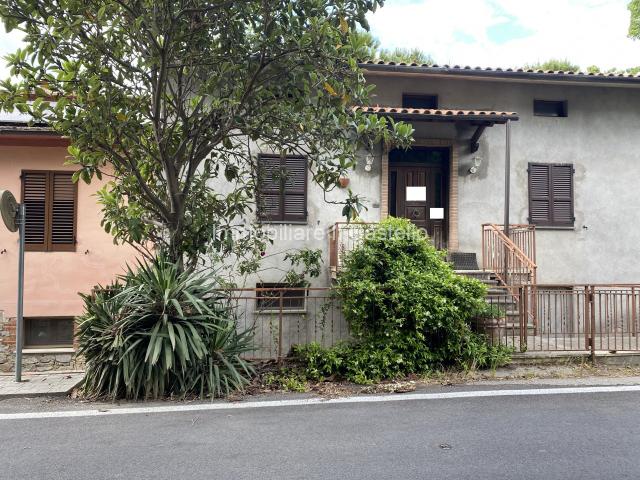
x,y
419,192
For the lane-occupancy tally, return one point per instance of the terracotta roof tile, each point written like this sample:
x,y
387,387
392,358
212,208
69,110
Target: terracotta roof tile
x,y
440,112
505,72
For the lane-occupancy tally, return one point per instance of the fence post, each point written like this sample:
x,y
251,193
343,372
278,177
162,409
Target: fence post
x,y
592,312
280,335
634,325
522,308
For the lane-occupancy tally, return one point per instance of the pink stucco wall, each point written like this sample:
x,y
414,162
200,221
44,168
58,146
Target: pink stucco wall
x,y
53,279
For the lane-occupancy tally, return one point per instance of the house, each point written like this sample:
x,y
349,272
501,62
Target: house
x,y
555,153
67,251
574,153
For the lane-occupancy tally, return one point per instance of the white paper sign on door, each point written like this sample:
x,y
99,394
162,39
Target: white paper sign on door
x,y
436,213
416,194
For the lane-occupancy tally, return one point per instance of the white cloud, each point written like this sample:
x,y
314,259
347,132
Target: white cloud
x,y
586,32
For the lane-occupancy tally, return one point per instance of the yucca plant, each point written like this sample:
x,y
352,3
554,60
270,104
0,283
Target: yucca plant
x,y
160,331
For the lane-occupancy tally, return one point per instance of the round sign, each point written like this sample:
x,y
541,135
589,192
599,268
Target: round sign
x,y
9,210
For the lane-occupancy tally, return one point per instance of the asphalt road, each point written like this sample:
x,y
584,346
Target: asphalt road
x,y
581,436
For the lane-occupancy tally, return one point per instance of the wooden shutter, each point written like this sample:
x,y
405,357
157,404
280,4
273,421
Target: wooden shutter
x,y
295,189
63,212
50,200
34,196
551,194
269,189
539,194
282,188
562,199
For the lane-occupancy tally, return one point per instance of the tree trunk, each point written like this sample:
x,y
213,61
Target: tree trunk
x,y
175,253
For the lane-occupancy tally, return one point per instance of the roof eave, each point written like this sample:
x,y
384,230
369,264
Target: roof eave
x,y
475,119
504,75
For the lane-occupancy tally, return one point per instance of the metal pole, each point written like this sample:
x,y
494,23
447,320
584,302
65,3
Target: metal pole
x,y
507,176
19,319
507,187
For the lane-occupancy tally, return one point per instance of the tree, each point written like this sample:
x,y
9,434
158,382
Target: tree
x,y
172,98
554,64
373,51
634,24
405,55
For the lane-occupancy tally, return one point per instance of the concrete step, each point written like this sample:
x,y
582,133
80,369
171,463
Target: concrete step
x,y
477,274
503,303
498,290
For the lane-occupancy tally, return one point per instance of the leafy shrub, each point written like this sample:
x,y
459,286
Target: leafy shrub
x,y
161,331
407,310
289,380
360,362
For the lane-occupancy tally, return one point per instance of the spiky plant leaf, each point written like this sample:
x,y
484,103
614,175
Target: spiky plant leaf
x,y
160,331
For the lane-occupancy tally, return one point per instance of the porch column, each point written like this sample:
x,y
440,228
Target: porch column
x,y
384,181
507,176
507,182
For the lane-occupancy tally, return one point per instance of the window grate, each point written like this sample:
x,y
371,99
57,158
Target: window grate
x,y
48,332
293,298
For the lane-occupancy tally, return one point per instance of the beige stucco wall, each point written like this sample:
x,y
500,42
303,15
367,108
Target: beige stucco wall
x,y
600,137
53,279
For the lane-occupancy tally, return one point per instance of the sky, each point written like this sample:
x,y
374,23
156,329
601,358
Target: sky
x,y
495,33
510,33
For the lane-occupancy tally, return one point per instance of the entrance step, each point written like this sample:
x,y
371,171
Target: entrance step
x,y
477,274
463,261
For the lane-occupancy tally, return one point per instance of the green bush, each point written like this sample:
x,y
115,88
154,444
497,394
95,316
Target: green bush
x,y
289,380
407,310
161,331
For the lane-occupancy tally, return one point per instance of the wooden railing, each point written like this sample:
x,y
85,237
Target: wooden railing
x,y
344,237
512,258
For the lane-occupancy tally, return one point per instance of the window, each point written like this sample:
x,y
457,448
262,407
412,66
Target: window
x,y
411,100
282,189
48,332
551,194
269,300
50,200
550,108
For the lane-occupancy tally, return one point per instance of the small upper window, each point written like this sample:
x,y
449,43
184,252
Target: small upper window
x,y
550,108
410,100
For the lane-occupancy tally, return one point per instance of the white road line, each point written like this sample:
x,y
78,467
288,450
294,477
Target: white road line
x,y
319,401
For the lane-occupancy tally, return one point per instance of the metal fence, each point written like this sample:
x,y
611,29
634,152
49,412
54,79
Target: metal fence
x,y
283,317
566,318
540,318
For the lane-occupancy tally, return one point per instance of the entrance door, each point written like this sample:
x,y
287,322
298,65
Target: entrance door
x,y
418,192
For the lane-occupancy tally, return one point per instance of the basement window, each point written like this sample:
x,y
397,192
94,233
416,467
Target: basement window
x,y
550,108
42,332
271,297
412,100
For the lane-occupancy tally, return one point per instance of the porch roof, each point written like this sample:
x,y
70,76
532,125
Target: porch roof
x,y
477,117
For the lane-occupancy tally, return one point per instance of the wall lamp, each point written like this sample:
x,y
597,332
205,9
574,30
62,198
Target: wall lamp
x,y
477,161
